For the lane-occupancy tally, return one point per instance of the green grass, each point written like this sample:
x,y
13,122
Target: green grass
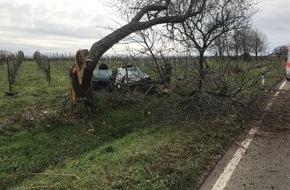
x,y
155,157
33,90
127,149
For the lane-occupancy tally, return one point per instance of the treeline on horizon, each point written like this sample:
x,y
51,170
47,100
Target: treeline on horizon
x,y
279,52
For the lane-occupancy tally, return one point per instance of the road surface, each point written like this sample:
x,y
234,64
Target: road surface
x,y
260,159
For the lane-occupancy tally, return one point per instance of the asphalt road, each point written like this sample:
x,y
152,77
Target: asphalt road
x,y
259,160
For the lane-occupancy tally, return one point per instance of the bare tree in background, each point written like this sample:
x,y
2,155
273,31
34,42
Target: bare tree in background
x,y
259,42
281,51
144,15
235,42
217,18
245,43
246,40
220,46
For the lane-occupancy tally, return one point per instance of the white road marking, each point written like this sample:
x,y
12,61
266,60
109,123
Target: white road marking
x,y
228,171
224,178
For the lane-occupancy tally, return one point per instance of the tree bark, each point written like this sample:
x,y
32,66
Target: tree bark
x,y
202,71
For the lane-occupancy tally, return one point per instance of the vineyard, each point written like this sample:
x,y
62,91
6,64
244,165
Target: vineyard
x,y
165,140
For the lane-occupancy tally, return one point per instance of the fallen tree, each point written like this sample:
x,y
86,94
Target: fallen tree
x,y
147,14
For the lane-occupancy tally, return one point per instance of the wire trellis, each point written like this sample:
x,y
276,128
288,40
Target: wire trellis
x,y
43,63
13,62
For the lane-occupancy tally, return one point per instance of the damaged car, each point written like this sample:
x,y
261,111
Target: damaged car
x,y
129,77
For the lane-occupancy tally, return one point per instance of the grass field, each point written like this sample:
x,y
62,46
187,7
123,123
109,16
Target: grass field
x,y
132,145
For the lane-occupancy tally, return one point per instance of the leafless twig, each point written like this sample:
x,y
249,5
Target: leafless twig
x,y
73,175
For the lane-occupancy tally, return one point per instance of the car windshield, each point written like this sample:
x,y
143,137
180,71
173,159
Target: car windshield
x,y
133,73
105,74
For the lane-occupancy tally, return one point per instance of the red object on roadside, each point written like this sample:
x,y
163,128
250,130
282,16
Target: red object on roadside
x,y
288,64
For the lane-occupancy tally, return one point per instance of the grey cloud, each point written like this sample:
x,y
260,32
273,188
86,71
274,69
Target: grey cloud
x,y
63,24
273,20
50,23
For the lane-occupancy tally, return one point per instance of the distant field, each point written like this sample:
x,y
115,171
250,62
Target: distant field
x,y
139,142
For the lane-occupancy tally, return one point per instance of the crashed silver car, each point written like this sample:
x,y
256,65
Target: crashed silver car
x,y
125,77
130,76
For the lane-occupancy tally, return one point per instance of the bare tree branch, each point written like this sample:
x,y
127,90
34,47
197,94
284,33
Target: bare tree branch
x,y
100,47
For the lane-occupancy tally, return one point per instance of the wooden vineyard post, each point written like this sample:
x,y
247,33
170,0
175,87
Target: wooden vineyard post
x,y
9,77
10,93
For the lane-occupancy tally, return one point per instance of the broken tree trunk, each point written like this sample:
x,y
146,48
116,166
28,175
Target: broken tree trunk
x,y
80,76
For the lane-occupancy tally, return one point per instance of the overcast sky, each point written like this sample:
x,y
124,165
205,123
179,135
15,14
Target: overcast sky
x,y
273,20
68,25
